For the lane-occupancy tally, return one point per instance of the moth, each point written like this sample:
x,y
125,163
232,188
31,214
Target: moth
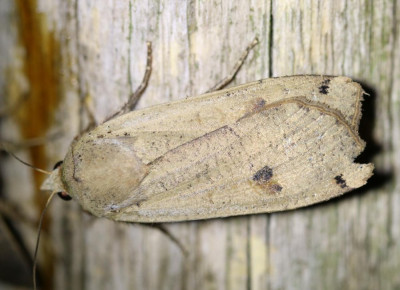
x,y
265,146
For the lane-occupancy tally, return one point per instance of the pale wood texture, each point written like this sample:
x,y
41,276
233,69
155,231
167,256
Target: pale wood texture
x,y
99,47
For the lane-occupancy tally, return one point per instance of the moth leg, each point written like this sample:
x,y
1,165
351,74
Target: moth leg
x,y
173,238
135,96
236,68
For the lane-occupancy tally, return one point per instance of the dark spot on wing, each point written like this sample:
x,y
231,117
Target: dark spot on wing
x,y
263,175
323,89
326,82
276,187
259,105
340,181
263,179
256,106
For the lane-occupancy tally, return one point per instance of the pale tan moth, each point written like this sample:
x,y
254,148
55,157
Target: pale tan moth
x,y
266,146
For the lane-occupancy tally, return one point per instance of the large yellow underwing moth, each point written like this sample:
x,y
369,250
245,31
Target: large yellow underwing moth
x,y
265,146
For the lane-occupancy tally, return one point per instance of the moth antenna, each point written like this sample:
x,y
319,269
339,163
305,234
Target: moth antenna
x,y
27,164
38,238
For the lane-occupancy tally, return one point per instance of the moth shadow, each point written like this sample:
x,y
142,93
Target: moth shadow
x,y
373,148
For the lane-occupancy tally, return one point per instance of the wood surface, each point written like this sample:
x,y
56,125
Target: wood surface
x,y
57,55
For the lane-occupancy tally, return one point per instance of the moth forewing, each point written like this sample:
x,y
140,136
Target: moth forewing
x,y
265,146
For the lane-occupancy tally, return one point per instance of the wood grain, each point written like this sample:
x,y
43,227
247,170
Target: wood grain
x,y
349,243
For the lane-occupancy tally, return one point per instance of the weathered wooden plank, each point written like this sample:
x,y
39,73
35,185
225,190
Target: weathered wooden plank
x,y
350,242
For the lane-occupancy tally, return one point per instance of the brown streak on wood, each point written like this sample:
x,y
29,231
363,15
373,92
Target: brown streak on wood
x,y
35,115
42,55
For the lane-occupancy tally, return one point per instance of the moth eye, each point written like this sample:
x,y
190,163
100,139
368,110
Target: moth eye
x,y
63,195
57,164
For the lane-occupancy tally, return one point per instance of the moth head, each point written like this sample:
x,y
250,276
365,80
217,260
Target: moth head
x,y
54,183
